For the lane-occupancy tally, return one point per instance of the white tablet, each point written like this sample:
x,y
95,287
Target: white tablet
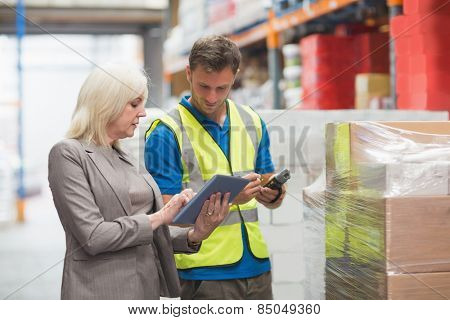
x,y
218,183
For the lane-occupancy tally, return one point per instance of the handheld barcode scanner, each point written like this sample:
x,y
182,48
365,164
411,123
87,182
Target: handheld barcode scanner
x,y
277,181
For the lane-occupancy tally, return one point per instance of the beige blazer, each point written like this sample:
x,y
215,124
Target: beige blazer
x,y
109,252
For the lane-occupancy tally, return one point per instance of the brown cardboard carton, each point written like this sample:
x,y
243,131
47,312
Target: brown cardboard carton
x,y
417,234
372,238
376,83
369,86
419,286
345,280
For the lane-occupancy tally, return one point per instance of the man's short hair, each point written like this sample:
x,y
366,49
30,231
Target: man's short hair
x,y
215,53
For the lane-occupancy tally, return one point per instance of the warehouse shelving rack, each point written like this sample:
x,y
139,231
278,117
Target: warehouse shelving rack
x,y
274,26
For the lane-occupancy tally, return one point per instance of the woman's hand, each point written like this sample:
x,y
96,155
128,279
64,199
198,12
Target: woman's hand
x,y
171,209
251,190
213,212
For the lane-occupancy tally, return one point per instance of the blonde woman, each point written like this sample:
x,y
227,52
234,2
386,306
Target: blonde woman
x,y
118,243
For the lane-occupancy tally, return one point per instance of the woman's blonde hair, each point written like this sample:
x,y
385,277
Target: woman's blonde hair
x,y
102,98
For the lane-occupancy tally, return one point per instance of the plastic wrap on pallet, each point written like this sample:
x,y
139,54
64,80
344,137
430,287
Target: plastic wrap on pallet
x,y
314,239
379,216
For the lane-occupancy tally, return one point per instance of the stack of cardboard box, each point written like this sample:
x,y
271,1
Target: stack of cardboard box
x,y
421,48
326,82
330,64
369,86
386,210
220,10
372,52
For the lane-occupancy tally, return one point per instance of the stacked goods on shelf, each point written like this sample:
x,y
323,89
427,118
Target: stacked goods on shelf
x,y
292,73
285,6
193,20
325,82
349,29
372,90
421,49
385,203
330,64
221,13
372,52
280,6
228,16
248,13
197,18
255,87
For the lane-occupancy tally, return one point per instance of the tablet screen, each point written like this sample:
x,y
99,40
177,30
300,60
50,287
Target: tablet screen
x,y
218,183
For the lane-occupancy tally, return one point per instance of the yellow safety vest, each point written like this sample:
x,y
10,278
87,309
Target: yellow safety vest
x,y
202,158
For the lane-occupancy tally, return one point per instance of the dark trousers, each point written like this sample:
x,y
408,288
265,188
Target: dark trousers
x,y
256,288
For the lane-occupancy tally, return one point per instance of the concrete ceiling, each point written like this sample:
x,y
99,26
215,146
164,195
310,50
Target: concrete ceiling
x,y
76,19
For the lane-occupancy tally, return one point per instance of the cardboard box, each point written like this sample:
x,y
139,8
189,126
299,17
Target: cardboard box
x,y
376,83
377,286
417,234
369,86
429,43
387,141
430,100
321,43
366,101
411,7
398,25
347,280
403,83
403,101
369,238
333,80
421,43
426,63
410,25
393,235
419,286
424,82
413,236
402,65
423,101
372,52
402,46
404,179
351,143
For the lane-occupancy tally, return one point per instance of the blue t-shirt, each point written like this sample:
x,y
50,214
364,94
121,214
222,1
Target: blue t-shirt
x,y
163,161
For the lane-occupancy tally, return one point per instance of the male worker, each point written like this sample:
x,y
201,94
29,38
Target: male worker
x,y
208,134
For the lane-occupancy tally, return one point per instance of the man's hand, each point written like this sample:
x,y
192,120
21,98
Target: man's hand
x,y
251,190
267,195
